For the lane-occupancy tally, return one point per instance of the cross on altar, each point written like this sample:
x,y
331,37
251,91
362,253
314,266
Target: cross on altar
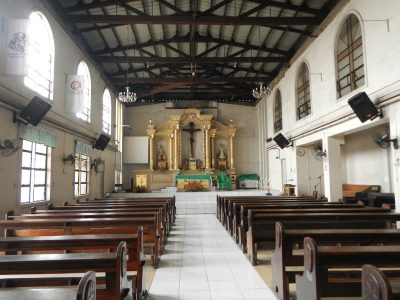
x,y
191,131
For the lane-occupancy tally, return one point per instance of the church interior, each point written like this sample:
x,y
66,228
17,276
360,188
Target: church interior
x,y
200,149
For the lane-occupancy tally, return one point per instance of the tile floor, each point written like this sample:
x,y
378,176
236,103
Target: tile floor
x,y
201,261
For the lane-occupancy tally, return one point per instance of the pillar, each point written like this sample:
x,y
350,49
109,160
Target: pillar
x,y
231,159
170,152
151,152
332,169
212,148
176,145
207,146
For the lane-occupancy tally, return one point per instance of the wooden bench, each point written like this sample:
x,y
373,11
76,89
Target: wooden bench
x,y
320,280
377,286
243,227
117,284
166,218
224,202
230,214
83,244
85,290
350,190
162,225
284,259
169,201
80,226
262,226
240,210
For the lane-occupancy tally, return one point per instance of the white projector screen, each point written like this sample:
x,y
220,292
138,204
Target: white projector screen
x,y
136,149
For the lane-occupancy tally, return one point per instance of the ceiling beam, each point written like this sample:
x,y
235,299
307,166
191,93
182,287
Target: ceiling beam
x,y
199,39
186,60
287,5
200,20
189,80
95,4
160,89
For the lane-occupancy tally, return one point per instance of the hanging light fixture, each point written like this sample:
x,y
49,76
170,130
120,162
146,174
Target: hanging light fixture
x,y
127,96
261,91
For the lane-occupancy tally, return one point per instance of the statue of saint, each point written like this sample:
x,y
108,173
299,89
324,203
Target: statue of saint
x,y
221,153
161,154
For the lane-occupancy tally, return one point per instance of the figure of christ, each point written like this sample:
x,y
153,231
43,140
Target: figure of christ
x,y
191,131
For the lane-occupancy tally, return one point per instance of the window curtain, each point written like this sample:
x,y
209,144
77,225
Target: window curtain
x,y
84,149
37,135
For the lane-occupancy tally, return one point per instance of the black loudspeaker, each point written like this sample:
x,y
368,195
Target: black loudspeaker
x,y
281,141
363,107
102,142
35,111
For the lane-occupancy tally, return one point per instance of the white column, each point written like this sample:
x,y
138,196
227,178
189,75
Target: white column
x,y
332,168
394,120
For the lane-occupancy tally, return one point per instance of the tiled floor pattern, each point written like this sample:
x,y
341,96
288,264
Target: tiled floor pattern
x,y
202,262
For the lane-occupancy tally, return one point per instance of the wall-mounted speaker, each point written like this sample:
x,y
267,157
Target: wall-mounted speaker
x,y
281,141
363,107
102,142
35,111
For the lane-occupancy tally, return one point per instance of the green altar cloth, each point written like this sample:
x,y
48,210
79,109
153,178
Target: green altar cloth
x,y
183,179
193,176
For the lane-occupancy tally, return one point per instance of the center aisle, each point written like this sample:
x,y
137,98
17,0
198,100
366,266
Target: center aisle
x,y
201,261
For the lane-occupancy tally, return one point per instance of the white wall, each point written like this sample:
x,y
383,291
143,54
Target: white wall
x,y
330,116
14,95
366,163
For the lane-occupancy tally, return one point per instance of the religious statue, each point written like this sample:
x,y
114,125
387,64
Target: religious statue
x,y
161,154
221,153
191,131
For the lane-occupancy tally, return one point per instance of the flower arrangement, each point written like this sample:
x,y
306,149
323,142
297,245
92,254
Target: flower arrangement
x,y
193,186
140,189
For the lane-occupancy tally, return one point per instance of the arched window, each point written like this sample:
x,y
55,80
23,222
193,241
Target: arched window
x,y
84,70
278,111
107,112
40,71
303,107
349,57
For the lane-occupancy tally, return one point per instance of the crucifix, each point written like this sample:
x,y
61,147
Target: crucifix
x,y
191,131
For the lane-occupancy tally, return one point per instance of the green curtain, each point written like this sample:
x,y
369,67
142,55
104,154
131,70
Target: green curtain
x,y
84,149
37,135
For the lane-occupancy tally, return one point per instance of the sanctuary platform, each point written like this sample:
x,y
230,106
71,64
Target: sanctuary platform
x,y
193,202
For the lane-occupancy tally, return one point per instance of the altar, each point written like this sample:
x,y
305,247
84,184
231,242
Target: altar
x,y
190,142
183,179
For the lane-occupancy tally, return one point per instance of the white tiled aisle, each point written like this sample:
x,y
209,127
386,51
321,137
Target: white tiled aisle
x,y
201,261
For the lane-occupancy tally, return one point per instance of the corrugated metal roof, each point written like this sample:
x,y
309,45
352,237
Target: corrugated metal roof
x,y
195,48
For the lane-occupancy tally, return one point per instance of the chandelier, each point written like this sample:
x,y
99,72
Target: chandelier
x,y
261,91
127,96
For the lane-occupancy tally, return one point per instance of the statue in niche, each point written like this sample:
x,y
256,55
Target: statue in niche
x,y
221,153
161,154
162,158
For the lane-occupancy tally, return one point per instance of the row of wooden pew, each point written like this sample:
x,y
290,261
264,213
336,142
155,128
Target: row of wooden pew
x,y
338,240
106,236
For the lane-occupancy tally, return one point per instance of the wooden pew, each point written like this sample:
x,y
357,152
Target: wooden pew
x,y
377,286
85,290
83,244
162,225
128,213
117,284
243,227
233,208
79,226
262,226
240,210
318,280
150,205
286,241
225,202
169,201
161,234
